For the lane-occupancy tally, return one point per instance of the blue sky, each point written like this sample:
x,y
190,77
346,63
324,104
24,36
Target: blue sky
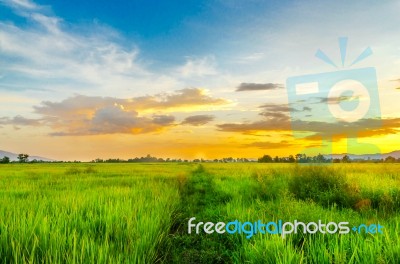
x,y
191,57
169,31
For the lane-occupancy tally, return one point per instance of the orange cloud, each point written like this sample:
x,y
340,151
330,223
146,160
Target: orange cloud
x,y
95,115
198,120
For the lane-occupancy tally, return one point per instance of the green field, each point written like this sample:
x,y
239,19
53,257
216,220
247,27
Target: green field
x,y
138,213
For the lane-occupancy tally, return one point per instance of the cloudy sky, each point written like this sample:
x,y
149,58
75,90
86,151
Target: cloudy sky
x,y
190,79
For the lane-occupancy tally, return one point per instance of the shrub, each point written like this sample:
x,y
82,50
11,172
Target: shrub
x,y
385,202
90,169
321,184
363,204
72,171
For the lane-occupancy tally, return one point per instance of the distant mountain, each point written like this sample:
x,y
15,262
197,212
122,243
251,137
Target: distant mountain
x,y
394,154
13,156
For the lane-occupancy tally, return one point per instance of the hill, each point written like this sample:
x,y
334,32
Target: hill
x,y
13,156
394,154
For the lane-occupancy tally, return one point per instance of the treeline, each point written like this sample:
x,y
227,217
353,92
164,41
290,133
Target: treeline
x,y
22,158
149,158
299,158
303,158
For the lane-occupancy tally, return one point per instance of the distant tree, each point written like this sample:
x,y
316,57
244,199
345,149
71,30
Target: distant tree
x,y
303,158
229,159
320,158
390,159
5,160
23,158
346,159
265,159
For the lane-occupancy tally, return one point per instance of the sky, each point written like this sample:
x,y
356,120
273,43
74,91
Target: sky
x,y
81,80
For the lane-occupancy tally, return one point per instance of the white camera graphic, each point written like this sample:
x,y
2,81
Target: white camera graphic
x,y
343,102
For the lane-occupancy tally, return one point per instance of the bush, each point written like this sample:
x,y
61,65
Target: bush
x,y
385,202
321,184
72,171
90,169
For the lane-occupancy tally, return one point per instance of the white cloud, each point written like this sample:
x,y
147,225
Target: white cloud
x,y
51,24
198,67
20,4
49,55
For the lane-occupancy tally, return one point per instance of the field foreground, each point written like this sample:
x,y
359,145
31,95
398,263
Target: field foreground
x,y
138,213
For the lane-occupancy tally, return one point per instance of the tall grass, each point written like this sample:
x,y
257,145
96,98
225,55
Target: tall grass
x,y
137,213
307,194
85,214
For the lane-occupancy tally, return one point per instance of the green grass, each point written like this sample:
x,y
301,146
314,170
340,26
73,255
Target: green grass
x,y
138,213
85,214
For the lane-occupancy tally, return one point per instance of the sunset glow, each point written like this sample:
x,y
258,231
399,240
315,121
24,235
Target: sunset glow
x,y
80,82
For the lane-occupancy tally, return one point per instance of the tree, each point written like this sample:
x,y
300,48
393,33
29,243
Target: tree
x,y
265,158
5,160
346,159
390,159
23,158
302,158
320,158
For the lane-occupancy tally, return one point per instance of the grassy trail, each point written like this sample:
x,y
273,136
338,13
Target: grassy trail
x,y
201,199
